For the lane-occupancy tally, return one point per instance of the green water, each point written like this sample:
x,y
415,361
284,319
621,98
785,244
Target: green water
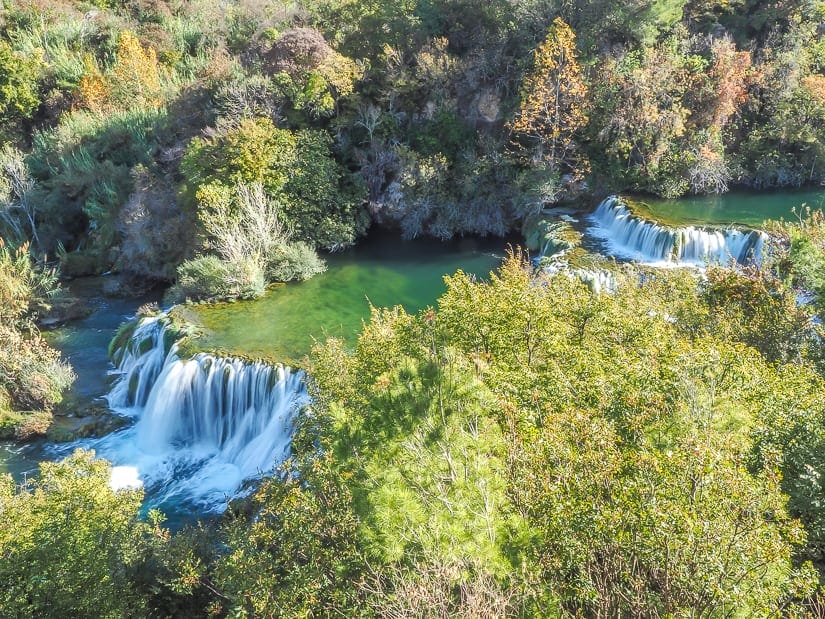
x,y
384,271
738,207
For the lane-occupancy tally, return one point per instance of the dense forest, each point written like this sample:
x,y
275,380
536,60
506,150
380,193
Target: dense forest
x,y
526,448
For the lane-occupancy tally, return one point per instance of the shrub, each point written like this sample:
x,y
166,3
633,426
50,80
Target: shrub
x,y
319,201
293,261
209,277
82,173
18,85
25,286
66,543
31,373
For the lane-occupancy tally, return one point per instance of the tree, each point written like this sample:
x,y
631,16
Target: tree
x,y
297,555
68,542
317,197
641,115
552,105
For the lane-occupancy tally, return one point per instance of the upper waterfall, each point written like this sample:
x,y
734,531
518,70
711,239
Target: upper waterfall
x,y
204,425
631,237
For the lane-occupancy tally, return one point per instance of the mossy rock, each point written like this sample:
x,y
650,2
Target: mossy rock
x,y
118,343
67,429
550,236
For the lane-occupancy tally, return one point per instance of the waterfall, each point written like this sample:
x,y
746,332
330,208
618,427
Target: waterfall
x,y
204,425
633,238
598,280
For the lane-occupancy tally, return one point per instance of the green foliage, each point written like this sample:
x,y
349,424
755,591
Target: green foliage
x,y
293,262
83,173
319,204
757,309
322,202
805,259
790,438
33,377
68,543
19,95
596,442
297,555
210,277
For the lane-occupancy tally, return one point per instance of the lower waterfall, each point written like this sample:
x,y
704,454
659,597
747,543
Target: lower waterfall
x,y
630,237
203,425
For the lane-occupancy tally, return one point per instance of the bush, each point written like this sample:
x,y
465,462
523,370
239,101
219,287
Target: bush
x,y
25,286
209,277
67,541
82,170
18,86
31,373
318,200
293,261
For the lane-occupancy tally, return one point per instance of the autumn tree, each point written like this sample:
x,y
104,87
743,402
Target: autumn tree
x,y
552,105
731,74
134,78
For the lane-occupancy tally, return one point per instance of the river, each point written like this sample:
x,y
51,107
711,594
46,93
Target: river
x,y
383,271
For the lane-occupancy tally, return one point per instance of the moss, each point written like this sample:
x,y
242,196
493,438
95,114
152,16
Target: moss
x,y
100,423
550,236
119,341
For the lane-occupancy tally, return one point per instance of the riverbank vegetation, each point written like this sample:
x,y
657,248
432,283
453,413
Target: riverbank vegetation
x,y
33,377
136,122
530,447
526,448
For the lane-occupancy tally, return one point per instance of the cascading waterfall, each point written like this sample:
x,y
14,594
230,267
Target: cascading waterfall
x,y
630,237
204,425
598,280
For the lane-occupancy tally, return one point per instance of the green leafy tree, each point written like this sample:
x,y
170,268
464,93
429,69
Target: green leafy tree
x,y
319,202
297,555
68,543
19,96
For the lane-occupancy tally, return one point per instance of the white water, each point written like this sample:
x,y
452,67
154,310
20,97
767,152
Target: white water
x,y
204,425
598,280
632,238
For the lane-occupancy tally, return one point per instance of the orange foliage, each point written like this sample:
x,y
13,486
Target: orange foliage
x,y
815,85
93,91
732,75
134,79
552,102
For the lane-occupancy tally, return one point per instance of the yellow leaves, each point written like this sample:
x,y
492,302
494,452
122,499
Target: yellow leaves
x,y
552,102
93,91
340,74
134,79
136,72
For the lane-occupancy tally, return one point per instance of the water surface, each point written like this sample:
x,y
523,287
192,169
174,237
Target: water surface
x,y
383,271
737,207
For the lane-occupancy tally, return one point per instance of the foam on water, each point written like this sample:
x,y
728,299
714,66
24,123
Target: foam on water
x,y
633,238
204,425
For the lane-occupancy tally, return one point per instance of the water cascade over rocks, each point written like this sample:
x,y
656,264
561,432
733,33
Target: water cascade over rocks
x,y
633,238
204,425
